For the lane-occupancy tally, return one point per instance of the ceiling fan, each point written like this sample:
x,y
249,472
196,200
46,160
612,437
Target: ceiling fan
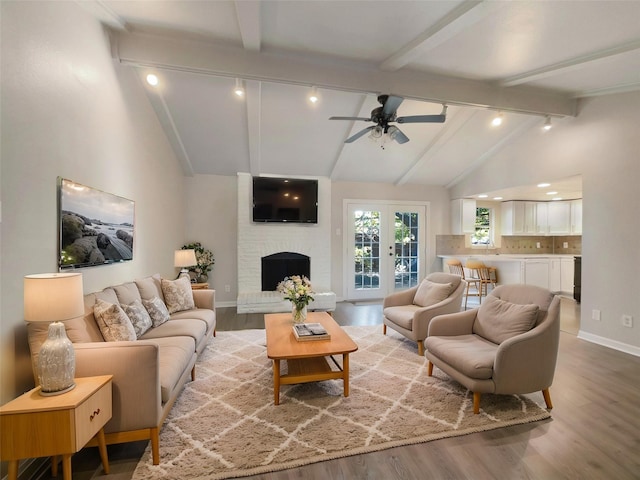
x,y
386,114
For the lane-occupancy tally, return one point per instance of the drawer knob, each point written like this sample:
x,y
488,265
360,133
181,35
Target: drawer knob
x,y
95,412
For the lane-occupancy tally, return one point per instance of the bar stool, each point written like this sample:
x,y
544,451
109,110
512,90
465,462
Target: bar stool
x,y
456,268
481,272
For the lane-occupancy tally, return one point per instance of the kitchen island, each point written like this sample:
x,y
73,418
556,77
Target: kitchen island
x,y
554,272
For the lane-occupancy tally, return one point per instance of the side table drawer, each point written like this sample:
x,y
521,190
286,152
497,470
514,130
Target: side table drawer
x,y
92,415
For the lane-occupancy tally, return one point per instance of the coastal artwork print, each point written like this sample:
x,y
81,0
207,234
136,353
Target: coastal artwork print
x,y
95,227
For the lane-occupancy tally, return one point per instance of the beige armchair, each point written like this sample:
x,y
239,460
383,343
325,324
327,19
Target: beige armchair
x,y
509,345
410,311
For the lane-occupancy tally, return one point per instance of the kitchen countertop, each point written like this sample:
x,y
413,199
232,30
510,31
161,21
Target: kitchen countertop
x,y
509,256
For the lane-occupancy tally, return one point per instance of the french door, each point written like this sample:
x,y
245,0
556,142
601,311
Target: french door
x,y
385,247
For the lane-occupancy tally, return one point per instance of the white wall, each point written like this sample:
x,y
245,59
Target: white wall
x,y
212,220
603,145
68,110
438,223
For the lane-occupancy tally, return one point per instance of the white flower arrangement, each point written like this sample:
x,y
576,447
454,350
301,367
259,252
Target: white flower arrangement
x,y
297,290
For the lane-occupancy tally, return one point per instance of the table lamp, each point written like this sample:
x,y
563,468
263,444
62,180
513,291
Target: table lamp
x,y
54,297
185,258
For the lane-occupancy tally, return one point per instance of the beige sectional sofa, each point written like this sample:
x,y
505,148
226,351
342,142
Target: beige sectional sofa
x,y
149,372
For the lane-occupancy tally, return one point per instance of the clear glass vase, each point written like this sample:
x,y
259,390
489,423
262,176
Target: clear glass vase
x,y
299,313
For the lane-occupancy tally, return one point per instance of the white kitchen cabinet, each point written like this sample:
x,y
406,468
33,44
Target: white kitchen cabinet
x,y
542,221
566,275
559,218
521,218
536,272
463,216
576,217
555,275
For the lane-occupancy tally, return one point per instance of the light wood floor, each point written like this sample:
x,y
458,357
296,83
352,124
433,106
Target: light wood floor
x,y
594,432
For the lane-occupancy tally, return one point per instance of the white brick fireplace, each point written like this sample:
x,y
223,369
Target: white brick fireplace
x,y
256,240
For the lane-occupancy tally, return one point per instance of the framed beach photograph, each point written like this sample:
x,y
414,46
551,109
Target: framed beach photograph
x,y
94,227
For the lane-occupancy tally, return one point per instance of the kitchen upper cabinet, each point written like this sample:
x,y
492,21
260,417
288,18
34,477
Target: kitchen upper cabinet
x,y
559,218
542,218
576,217
463,216
523,218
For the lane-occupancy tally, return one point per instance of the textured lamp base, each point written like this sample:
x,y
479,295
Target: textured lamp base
x,y
56,362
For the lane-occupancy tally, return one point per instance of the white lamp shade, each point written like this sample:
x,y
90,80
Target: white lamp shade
x,y
185,258
52,297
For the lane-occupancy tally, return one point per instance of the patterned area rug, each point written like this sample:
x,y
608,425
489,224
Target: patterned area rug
x,y
225,425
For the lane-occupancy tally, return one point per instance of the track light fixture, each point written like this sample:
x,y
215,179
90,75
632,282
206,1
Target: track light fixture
x,y
239,88
313,95
547,124
497,120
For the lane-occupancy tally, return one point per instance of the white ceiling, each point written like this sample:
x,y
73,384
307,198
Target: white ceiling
x,y
527,59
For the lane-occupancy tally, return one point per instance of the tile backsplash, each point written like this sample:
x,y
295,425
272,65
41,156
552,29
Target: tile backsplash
x,y
455,245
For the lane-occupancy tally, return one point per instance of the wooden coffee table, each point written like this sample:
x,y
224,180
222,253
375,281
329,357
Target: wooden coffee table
x,y
307,361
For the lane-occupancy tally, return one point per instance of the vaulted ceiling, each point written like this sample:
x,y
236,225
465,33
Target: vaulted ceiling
x,y
525,59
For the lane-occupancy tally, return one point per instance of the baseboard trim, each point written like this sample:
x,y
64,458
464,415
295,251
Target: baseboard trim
x,y
229,303
607,342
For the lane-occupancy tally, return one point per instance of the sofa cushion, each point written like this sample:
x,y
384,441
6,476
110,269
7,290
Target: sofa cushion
x,y
193,328
178,294
175,355
430,293
202,314
150,287
139,317
113,322
469,354
127,293
157,310
498,320
402,315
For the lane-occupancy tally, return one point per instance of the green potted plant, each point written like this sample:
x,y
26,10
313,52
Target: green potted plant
x,y
205,261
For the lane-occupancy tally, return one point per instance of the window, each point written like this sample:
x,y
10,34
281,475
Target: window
x,y
483,234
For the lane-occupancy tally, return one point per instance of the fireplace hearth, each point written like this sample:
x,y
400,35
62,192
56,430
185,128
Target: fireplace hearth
x,y
283,264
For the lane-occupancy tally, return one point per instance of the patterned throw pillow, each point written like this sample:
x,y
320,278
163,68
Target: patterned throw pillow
x,y
178,294
157,311
139,317
113,322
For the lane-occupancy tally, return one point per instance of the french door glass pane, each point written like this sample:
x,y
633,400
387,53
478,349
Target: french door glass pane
x,y
406,249
367,249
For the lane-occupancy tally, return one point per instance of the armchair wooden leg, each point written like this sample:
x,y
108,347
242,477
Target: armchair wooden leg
x,y
384,329
430,369
421,348
155,445
547,398
476,403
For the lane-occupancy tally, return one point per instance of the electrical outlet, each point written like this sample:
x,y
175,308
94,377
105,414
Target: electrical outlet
x,y
537,244
627,321
595,315
227,288
565,244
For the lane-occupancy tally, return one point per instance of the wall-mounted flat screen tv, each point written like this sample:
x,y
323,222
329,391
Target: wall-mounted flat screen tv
x,y
286,200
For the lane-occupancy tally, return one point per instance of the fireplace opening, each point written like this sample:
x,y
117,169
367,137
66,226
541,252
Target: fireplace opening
x,y
283,264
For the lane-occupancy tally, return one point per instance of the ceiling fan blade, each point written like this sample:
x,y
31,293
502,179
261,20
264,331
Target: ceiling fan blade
x,y
422,119
391,105
361,133
364,119
400,137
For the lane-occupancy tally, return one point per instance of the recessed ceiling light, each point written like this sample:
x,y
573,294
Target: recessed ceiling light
x,y
497,120
543,185
557,198
152,80
497,198
483,196
547,124
552,193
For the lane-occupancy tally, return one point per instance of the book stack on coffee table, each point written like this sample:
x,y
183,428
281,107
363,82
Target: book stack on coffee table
x,y
310,331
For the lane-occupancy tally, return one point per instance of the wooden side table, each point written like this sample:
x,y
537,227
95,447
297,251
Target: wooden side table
x,y
199,286
36,426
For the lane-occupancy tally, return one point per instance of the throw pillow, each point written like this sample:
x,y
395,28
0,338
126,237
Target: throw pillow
x,y
139,317
430,293
178,294
157,311
498,320
113,322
